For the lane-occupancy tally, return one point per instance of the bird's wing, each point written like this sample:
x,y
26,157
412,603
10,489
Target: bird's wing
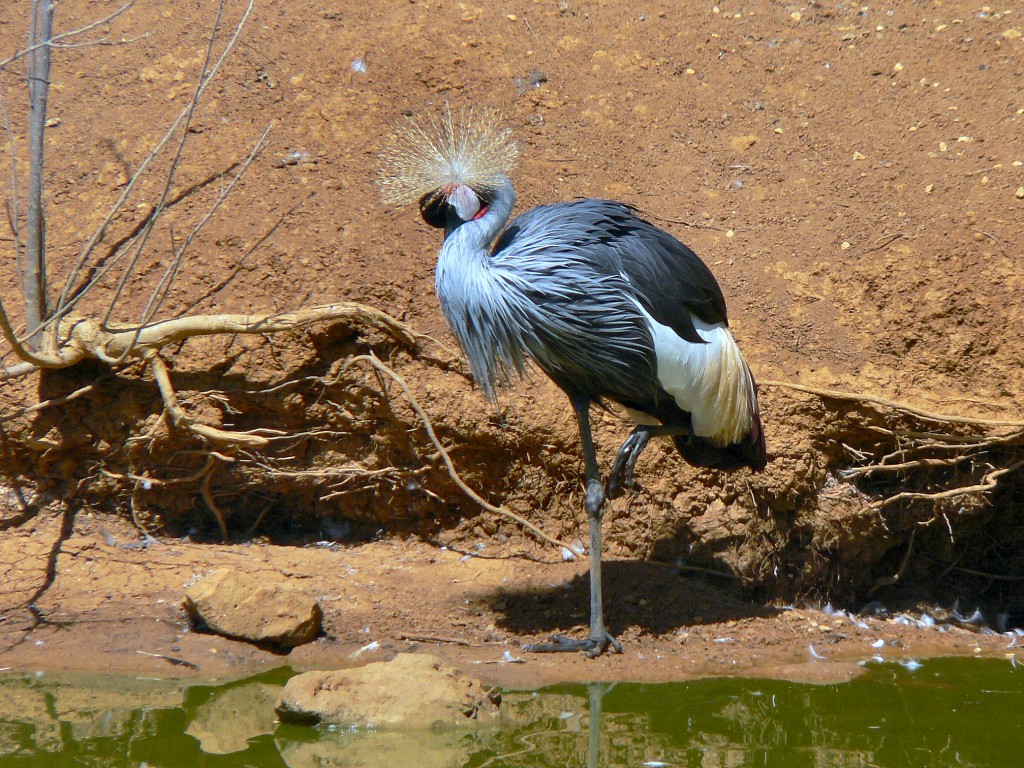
x,y
668,279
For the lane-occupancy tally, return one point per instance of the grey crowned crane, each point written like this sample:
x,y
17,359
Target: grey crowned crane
x,y
606,304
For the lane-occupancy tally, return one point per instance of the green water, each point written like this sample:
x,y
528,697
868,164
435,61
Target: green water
x,y
952,712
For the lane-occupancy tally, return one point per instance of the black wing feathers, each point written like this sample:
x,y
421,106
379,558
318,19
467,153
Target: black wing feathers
x,y
670,281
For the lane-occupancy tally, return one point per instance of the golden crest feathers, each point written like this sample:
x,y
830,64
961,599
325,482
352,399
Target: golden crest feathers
x,y
424,158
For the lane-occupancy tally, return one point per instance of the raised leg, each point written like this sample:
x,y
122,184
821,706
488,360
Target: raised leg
x,y
599,639
622,470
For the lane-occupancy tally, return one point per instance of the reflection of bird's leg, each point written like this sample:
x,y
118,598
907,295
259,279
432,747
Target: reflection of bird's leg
x,y
622,470
595,693
599,639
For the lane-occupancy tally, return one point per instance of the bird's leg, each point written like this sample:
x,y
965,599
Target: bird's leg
x,y
622,470
599,639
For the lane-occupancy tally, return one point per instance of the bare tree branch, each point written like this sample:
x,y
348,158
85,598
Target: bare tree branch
x,y
69,295
63,35
33,278
207,73
164,285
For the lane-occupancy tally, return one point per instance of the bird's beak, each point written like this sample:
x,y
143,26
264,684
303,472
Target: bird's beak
x,y
451,221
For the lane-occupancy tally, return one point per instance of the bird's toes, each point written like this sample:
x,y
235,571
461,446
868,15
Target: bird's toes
x,y
599,645
617,486
559,644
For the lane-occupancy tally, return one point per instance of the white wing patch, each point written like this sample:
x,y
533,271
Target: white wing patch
x,y
710,381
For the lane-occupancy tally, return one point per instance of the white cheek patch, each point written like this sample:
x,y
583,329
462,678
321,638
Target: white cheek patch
x,y
465,202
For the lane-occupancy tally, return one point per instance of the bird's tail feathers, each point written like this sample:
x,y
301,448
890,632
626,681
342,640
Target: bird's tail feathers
x,y
737,437
748,452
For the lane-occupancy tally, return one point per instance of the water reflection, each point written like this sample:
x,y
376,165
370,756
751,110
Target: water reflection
x,y
946,713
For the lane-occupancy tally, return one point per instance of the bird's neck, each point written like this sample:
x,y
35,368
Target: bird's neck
x,y
474,298
470,241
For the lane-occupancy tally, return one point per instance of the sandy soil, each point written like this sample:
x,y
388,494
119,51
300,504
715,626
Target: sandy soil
x,y
853,175
114,608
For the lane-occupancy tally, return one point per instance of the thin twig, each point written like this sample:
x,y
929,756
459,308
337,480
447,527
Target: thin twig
x,y
71,33
993,239
428,426
884,241
55,401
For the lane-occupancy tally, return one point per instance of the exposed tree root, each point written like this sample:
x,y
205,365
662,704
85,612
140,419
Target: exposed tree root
x,y
919,468
894,405
86,338
255,439
429,427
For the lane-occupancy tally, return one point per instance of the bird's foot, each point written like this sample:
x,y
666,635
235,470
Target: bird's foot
x,y
621,475
617,482
592,647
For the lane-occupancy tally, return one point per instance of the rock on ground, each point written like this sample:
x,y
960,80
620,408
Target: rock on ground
x,y
412,691
262,610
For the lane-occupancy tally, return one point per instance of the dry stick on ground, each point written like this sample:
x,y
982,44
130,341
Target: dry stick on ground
x,y
383,369
421,638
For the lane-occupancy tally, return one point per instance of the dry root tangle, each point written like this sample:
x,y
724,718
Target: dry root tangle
x,y
261,453
919,467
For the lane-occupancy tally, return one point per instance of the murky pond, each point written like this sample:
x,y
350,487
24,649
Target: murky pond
x,y
947,712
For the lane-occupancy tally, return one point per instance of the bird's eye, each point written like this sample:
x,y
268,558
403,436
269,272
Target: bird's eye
x,y
434,210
